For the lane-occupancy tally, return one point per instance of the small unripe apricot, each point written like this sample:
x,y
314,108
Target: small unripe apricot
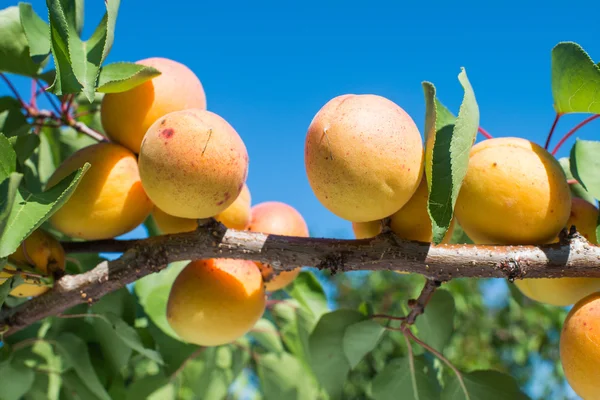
x,y
514,192
411,222
193,164
109,200
363,156
567,291
580,347
236,216
214,302
277,218
40,251
126,116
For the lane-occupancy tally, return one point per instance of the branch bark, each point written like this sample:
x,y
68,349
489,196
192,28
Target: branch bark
x,y
573,256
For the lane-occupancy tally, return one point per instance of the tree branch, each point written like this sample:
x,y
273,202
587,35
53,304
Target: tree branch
x,y
573,256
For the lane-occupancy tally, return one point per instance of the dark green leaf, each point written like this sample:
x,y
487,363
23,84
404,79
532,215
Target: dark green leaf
x,y
447,153
8,194
12,119
585,165
14,49
144,388
75,352
436,324
115,351
122,76
37,32
575,80
398,378
24,146
8,158
8,285
576,188
360,339
483,385
30,210
327,357
173,351
295,324
267,335
130,337
15,379
307,290
75,388
282,376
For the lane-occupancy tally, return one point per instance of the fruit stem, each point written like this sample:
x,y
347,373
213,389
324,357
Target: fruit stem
x,y
484,133
556,118
572,131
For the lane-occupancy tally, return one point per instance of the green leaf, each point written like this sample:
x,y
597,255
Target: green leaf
x,y
282,376
576,188
122,76
15,379
52,363
448,143
307,290
8,194
37,32
267,335
30,210
295,324
75,352
399,378
361,338
14,48
24,146
326,343
8,158
12,119
173,351
483,385
575,80
585,165
436,325
143,389
8,285
130,337
75,388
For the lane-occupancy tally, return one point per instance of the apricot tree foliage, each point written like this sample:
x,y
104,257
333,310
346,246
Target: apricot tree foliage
x,y
89,336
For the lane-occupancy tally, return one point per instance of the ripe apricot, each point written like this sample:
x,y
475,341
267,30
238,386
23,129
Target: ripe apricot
x,y
193,164
40,251
236,216
567,291
277,218
213,302
514,192
411,222
126,116
363,156
580,347
109,200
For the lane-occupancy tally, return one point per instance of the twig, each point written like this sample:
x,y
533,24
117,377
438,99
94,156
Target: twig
x,y
572,131
418,305
50,99
14,91
484,133
390,317
411,365
549,138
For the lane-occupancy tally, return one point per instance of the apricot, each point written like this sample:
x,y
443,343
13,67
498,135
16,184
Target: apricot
x,y
236,216
580,347
514,192
193,164
567,291
214,302
411,222
363,156
126,116
40,251
277,218
109,200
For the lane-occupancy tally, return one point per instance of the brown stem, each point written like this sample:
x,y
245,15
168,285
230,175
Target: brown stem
x,y
549,138
418,305
14,91
573,256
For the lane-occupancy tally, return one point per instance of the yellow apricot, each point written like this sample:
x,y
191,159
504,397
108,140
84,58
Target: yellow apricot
x,y
236,216
411,222
580,347
126,116
214,302
363,156
40,251
277,218
567,291
193,164
514,192
109,200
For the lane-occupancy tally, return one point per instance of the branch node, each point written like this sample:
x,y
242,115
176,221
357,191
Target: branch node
x,y
512,269
334,262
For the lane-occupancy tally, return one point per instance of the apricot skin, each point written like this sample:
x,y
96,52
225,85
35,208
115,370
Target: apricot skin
x,y
277,218
214,302
126,116
236,216
580,347
193,164
109,200
363,157
41,251
567,291
514,192
411,222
